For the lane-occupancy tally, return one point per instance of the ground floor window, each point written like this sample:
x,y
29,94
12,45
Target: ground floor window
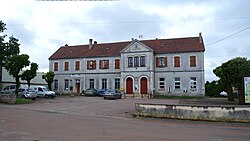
x,y
66,84
177,83
55,84
162,84
193,83
117,84
104,84
91,83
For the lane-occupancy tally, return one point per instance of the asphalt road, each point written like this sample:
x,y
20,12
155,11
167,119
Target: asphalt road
x,y
95,119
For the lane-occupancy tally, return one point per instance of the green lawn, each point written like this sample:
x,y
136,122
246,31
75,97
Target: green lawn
x,y
23,101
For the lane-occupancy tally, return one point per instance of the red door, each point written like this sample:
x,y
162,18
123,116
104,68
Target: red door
x,y
129,86
144,85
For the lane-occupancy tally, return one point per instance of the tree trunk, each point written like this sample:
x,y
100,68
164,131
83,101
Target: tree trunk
x,y
241,96
230,96
17,85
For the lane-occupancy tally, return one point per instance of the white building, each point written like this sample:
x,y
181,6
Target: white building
x,y
166,66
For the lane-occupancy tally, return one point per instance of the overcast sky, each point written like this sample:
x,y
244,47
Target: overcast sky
x,y
43,26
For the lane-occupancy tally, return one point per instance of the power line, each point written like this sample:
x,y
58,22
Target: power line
x,y
228,36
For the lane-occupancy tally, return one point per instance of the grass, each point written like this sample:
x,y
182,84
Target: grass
x,y
176,97
23,101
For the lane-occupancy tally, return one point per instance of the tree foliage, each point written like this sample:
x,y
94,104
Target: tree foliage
x,y
231,73
214,88
7,49
30,74
49,78
15,64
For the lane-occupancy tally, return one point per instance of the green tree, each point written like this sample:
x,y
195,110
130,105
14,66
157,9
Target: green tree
x,y
214,88
30,74
231,73
15,64
7,49
49,78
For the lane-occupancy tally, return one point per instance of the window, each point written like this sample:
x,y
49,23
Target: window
x,y
77,65
177,83
91,83
130,61
161,83
66,66
177,61
136,61
193,83
161,61
104,64
104,84
91,64
117,63
117,84
55,84
142,61
192,60
66,84
55,66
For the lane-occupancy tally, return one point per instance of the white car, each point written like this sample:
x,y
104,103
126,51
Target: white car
x,y
223,93
43,91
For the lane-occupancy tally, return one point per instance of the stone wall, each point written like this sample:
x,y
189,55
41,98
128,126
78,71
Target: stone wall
x,y
194,112
8,98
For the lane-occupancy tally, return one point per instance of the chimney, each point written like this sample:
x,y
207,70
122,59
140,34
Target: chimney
x,y
200,38
132,39
95,42
90,44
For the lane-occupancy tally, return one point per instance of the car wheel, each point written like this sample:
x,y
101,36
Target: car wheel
x,y
33,98
23,96
46,96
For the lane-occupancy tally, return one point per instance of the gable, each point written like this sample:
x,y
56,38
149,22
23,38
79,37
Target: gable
x,y
136,46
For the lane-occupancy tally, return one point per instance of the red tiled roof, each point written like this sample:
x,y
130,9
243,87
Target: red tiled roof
x,y
160,46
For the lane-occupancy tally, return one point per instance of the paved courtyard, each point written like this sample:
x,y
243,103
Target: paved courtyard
x,y
95,119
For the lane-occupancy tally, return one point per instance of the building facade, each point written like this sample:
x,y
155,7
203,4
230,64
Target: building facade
x,y
160,66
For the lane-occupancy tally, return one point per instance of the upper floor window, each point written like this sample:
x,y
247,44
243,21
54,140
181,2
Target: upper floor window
x,y
130,61
77,65
91,64
136,61
117,63
142,61
66,66
192,60
161,61
55,66
104,64
177,61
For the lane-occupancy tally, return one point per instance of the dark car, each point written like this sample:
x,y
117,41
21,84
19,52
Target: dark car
x,y
101,92
112,94
90,92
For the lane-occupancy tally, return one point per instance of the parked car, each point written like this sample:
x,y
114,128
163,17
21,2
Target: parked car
x,y
10,89
43,91
112,94
90,92
101,92
223,93
27,93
